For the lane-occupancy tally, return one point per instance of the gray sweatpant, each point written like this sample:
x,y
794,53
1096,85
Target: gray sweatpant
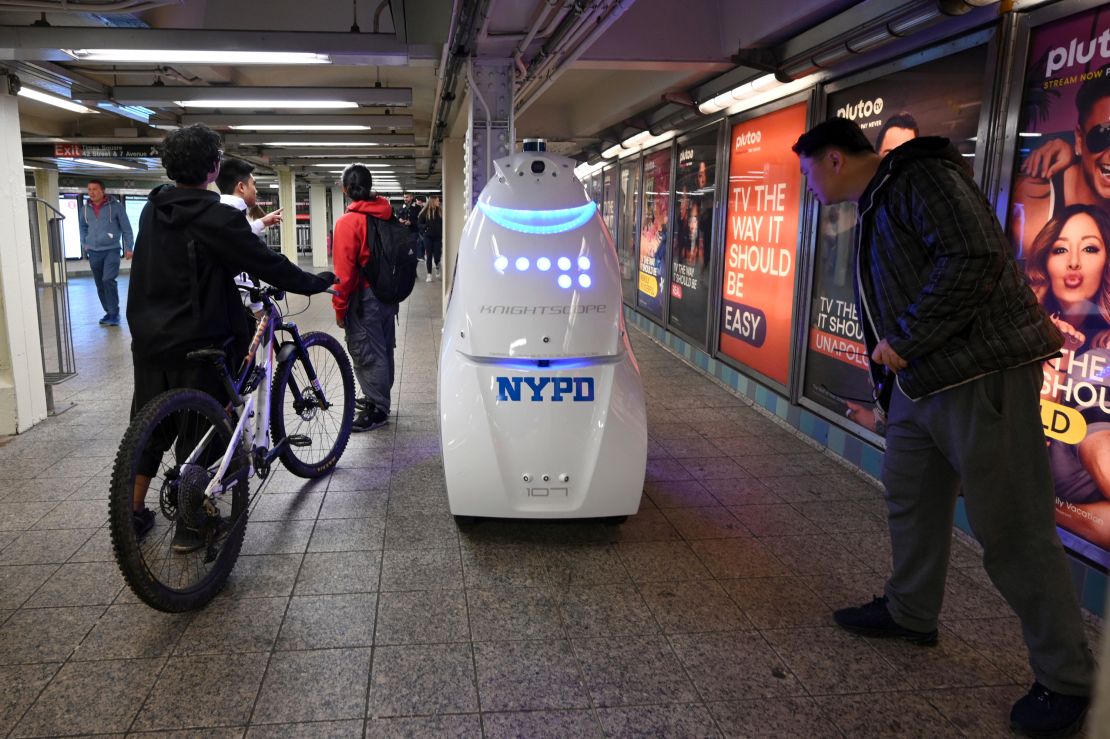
x,y
371,338
986,437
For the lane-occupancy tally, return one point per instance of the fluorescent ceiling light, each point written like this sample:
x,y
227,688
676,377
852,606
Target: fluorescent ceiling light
x,y
729,97
332,164
639,142
196,56
42,97
294,127
205,103
95,163
317,143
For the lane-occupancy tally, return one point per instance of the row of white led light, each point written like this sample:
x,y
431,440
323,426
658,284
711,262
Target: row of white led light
x,y
543,264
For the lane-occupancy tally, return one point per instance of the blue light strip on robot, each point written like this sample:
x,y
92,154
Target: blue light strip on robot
x,y
540,221
552,364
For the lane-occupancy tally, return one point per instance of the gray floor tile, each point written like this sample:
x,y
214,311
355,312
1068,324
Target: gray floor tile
x,y
338,679
421,531
734,665
778,602
79,584
347,535
839,516
287,507
21,516
661,561
979,712
950,664
262,576
422,569
774,520
782,716
713,468
514,613
711,522
355,504
632,671
75,514
87,695
359,478
39,490
998,639
814,555
667,722
605,610
98,548
224,685
542,725
423,680
339,572
830,661
133,631
678,494
422,617
19,582
45,634
277,537
22,685
659,470
886,714
692,606
233,625
730,558
741,492
583,564
443,727
647,525
318,730
487,566
328,621
528,675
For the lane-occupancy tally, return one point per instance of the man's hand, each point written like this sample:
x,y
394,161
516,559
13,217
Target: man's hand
x,y
1049,158
340,323
271,219
887,357
128,254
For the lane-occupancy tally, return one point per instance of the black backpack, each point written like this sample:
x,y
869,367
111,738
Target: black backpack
x,y
391,270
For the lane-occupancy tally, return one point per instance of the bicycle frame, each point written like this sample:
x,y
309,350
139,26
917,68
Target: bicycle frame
x,y
254,409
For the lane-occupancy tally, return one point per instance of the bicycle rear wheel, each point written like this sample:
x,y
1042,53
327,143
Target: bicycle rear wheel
x,y
178,440
315,418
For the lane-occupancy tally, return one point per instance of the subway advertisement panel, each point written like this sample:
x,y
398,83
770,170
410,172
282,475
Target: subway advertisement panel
x,y
655,233
627,232
1059,224
938,98
761,240
695,201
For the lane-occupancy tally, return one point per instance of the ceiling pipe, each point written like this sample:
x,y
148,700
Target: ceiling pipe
x,y
538,18
529,96
544,65
68,6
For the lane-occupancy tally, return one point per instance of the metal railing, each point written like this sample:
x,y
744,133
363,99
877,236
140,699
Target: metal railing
x,y
59,362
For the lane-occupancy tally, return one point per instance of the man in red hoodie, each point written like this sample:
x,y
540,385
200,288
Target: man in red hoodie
x,y
369,323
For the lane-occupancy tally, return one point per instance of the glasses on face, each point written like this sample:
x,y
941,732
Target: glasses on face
x,y
1097,139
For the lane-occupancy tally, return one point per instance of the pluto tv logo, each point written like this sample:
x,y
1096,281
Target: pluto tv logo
x,y
861,109
748,138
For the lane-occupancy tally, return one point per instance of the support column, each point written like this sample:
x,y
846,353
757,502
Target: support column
x,y
318,218
287,201
338,205
455,208
22,386
46,188
489,131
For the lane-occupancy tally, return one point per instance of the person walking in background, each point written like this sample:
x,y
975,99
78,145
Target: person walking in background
x,y
408,214
956,339
368,322
105,233
430,223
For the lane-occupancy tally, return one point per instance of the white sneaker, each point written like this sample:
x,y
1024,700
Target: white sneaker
x,y
436,272
428,278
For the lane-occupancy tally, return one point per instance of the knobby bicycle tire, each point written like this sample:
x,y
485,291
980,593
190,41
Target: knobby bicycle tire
x,y
327,430
145,563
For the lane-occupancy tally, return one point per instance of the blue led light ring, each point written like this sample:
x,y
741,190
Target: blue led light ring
x,y
540,222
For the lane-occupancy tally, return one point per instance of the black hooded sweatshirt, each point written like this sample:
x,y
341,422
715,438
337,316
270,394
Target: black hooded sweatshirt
x,y
182,295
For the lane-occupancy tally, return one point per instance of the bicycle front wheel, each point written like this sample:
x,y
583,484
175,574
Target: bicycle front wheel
x,y
179,560
315,417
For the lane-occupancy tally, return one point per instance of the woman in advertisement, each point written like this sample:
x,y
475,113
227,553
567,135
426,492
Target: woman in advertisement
x,y
1069,271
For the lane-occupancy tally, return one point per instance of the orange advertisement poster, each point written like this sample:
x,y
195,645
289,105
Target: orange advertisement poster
x,y
761,241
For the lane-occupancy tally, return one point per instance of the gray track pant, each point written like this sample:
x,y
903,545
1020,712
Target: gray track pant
x,y
985,435
371,338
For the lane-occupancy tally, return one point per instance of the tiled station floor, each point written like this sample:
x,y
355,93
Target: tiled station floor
x,y
358,607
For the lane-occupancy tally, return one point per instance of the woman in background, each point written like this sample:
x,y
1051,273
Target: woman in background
x,y
430,225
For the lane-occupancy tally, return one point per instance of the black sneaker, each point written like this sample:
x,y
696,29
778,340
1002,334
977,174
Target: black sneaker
x,y
142,521
187,540
363,404
369,419
1047,714
874,619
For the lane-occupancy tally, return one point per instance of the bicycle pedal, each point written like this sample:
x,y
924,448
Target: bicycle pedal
x,y
298,440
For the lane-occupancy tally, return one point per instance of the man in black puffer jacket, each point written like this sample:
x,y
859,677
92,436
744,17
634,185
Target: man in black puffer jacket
x,y
182,294
956,340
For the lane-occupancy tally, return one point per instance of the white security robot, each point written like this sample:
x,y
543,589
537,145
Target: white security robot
x,y
540,400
